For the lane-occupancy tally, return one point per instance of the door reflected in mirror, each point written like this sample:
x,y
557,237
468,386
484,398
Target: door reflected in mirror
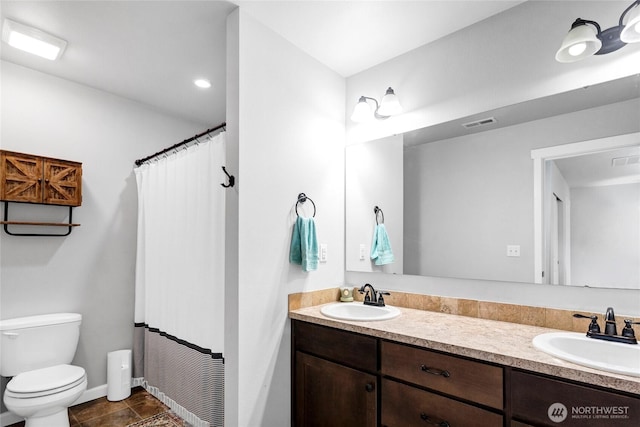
x,y
587,213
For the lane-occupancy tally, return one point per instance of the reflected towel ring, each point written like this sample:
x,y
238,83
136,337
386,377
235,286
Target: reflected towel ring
x,y
376,211
303,198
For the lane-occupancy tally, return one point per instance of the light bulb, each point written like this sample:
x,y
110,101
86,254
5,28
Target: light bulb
x,y
577,49
202,83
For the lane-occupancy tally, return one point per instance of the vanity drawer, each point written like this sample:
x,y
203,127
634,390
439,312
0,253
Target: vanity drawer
x,y
406,406
474,381
347,348
532,396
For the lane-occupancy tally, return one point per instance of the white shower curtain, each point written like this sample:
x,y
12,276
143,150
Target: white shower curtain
x,y
180,262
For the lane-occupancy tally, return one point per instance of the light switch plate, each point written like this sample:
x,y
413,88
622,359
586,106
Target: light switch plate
x,y
323,252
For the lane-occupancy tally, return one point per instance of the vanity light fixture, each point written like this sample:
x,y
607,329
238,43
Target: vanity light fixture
x,y
586,37
389,106
32,40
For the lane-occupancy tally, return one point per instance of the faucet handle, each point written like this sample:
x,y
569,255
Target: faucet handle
x,y
593,326
381,298
627,331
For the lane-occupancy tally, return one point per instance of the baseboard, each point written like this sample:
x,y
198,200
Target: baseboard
x,y
7,418
92,394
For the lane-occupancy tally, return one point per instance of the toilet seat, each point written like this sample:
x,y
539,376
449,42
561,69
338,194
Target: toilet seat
x,y
44,382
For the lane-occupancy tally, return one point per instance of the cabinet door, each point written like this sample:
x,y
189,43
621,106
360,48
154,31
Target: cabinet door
x,y
20,177
62,183
332,395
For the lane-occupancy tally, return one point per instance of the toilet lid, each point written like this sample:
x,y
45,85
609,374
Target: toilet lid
x,y
46,379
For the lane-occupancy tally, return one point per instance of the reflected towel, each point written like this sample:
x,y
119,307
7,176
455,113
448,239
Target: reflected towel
x,y
381,252
304,244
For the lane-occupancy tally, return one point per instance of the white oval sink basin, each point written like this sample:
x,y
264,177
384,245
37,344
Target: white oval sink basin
x,y
577,348
357,311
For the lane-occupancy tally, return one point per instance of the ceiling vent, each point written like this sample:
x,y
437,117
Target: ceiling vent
x,y
625,161
478,123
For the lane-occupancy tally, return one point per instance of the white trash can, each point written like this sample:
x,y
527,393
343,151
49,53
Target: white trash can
x,y
118,375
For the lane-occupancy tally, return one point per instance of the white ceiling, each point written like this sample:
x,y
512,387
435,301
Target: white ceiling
x,y
150,51
351,36
600,169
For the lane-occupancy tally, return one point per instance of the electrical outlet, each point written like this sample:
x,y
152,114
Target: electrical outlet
x,y
513,250
323,252
363,251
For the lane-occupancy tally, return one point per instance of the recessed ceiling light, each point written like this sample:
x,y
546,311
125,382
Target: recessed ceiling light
x,y
32,40
202,83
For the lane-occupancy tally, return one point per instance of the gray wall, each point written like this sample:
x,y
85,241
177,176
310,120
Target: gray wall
x,y
91,271
374,178
294,145
467,198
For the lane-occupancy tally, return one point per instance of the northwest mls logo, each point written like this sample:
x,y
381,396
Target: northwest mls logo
x,y
557,412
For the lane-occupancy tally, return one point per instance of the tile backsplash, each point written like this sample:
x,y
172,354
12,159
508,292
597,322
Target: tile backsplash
x,y
521,314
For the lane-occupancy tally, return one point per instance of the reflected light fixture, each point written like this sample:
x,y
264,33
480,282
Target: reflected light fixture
x,y
202,83
586,37
32,40
389,106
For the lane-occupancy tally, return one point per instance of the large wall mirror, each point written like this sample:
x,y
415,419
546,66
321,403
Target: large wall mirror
x,y
458,198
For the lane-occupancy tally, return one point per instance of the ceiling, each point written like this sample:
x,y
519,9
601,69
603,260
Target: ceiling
x,y
150,51
614,167
619,90
588,170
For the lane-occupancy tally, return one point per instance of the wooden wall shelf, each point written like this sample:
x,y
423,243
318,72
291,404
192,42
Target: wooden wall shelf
x,y
6,223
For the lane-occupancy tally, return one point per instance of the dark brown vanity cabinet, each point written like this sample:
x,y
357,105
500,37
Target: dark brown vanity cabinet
x,y
334,379
346,379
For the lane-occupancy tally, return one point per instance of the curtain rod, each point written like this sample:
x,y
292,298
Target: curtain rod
x,y
180,144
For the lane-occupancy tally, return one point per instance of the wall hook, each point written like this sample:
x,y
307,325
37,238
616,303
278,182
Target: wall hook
x,y
232,179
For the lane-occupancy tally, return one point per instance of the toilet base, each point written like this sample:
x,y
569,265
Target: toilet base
x,y
59,419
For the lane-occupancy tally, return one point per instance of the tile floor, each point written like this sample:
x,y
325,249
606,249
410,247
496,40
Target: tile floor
x,y
102,413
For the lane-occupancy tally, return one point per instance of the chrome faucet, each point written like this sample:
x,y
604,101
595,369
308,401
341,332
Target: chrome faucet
x,y
375,298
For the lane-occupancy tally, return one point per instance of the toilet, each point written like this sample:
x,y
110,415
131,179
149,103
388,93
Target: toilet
x,y
37,351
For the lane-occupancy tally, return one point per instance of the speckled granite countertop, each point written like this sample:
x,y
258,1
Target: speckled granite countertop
x,y
504,343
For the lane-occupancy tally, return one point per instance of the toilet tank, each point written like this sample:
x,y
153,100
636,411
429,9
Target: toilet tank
x,y
34,342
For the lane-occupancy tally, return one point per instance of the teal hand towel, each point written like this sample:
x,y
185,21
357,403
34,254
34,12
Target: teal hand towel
x,y
381,252
304,244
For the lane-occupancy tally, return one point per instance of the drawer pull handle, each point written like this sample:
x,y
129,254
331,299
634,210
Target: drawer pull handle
x,y
428,420
435,371
369,387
